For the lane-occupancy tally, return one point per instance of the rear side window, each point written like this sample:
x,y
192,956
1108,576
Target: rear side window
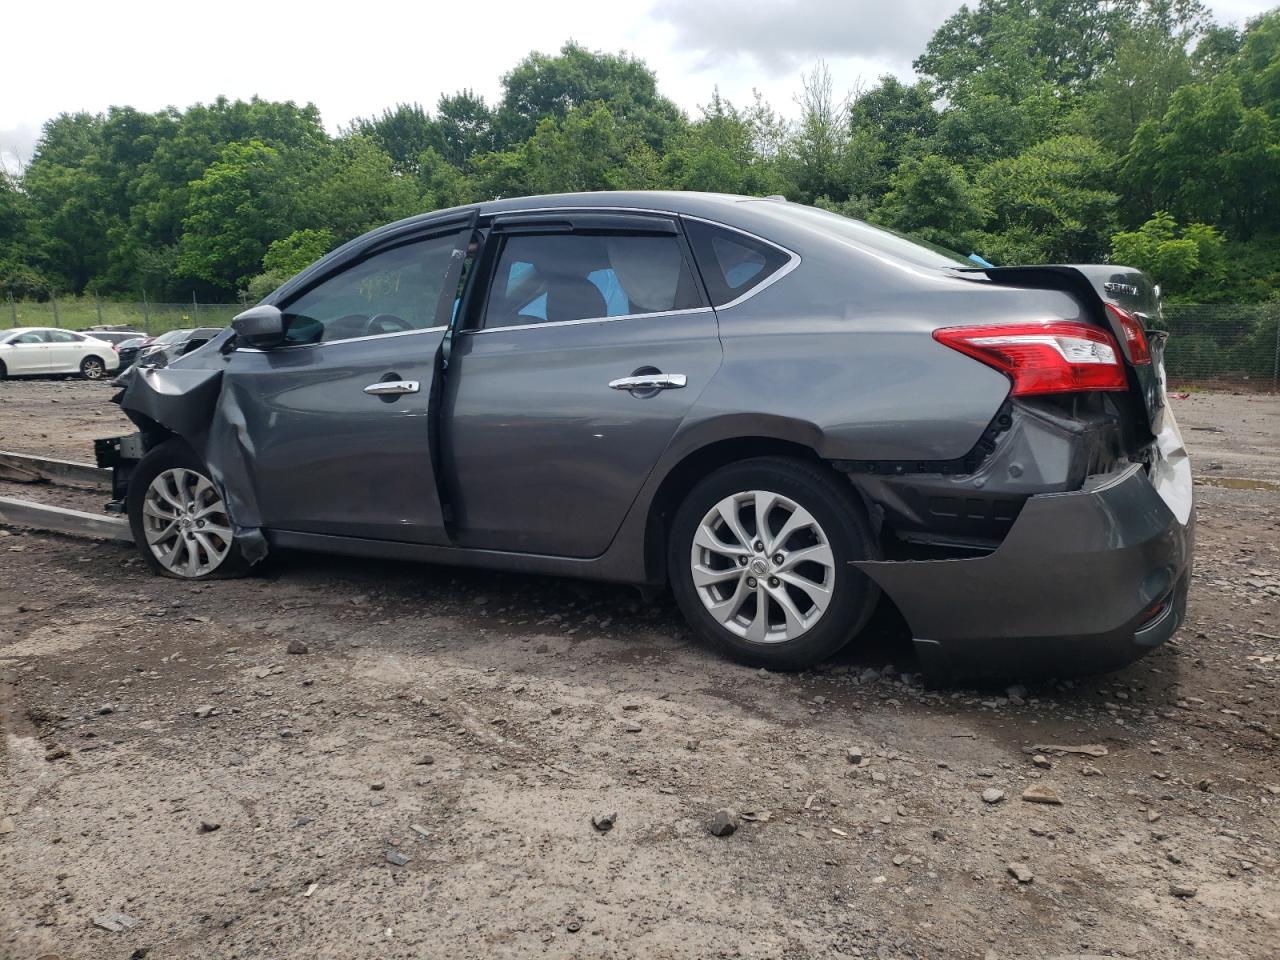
x,y
732,263
557,277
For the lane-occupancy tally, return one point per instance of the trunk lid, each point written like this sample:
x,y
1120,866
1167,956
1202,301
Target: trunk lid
x,y
1097,285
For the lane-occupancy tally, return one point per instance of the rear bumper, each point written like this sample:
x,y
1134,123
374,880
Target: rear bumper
x,y
1085,581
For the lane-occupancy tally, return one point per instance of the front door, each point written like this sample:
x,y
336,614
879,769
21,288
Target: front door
x,y
337,417
28,353
570,378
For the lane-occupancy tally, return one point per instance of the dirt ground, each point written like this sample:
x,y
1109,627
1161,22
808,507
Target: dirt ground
x,y
422,781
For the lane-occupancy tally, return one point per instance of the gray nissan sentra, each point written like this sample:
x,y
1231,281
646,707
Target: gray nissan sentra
x,y
782,413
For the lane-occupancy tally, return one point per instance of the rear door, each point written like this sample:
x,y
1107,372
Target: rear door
x,y
570,375
66,350
336,420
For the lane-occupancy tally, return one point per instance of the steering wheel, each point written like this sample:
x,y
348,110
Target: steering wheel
x,y
386,323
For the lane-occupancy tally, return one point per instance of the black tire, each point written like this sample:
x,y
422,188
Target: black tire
x,y
173,454
842,519
4,371
93,368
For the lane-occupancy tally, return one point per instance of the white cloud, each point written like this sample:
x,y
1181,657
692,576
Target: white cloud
x,y
354,60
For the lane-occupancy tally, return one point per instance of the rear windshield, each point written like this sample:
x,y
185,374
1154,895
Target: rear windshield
x,y
878,239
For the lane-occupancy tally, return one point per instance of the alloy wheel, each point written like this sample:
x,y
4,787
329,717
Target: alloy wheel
x,y
186,523
763,566
93,369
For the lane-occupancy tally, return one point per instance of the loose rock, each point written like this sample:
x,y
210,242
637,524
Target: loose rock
x,y
604,821
992,795
298,647
1021,872
116,922
1183,891
1041,794
724,822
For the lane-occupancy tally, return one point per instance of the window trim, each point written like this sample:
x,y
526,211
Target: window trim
x,y
494,251
571,323
393,243
792,262
334,343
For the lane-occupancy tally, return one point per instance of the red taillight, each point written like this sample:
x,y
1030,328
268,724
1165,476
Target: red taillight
x,y
1135,337
1049,357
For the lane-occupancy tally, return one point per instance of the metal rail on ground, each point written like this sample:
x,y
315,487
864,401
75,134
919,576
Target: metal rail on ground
x,y
44,516
25,468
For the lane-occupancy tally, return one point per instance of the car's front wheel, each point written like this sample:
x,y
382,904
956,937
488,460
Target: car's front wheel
x,y
92,368
178,517
759,561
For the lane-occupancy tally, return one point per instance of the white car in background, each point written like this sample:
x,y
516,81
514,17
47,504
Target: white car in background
x,y
37,350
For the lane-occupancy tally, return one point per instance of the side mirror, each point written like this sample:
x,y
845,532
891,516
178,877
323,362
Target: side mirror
x,y
261,326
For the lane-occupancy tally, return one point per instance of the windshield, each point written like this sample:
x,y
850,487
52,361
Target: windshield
x,y
879,239
173,336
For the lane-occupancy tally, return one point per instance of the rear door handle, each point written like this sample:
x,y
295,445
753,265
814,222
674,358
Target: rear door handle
x,y
391,388
650,381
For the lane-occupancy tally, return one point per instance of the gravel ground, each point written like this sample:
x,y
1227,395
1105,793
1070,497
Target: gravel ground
x,y
422,780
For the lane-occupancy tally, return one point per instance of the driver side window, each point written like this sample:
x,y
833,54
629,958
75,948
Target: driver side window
x,y
390,292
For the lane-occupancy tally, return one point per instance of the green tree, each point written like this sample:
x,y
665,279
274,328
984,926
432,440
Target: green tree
x,y
243,202
815,153
403,132
1149,65
70,202
1210,158
18,276
463,128
1069,41
718,152
288,256
932,198
1050,204
351,187
1179,260
542,87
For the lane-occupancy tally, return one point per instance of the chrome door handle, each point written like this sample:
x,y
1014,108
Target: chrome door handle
x,y
651,381
391,388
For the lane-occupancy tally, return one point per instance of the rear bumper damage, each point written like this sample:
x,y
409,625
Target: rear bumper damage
x,y
1085,581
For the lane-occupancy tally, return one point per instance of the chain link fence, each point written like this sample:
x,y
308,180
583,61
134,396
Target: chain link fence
x,y
1223,345
80,313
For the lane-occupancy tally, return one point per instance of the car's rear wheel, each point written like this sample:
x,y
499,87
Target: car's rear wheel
x,y
93,368
759,556
4,371
179,519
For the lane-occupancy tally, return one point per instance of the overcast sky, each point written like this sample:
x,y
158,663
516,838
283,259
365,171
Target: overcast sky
x,y
353,59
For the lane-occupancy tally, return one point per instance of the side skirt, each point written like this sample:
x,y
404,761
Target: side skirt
x,y
603,567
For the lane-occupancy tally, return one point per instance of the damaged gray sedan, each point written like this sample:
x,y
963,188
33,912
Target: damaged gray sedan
x,y
782,413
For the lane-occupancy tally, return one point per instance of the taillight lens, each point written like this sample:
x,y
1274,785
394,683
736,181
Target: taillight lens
x,y
1135,337
1050,357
